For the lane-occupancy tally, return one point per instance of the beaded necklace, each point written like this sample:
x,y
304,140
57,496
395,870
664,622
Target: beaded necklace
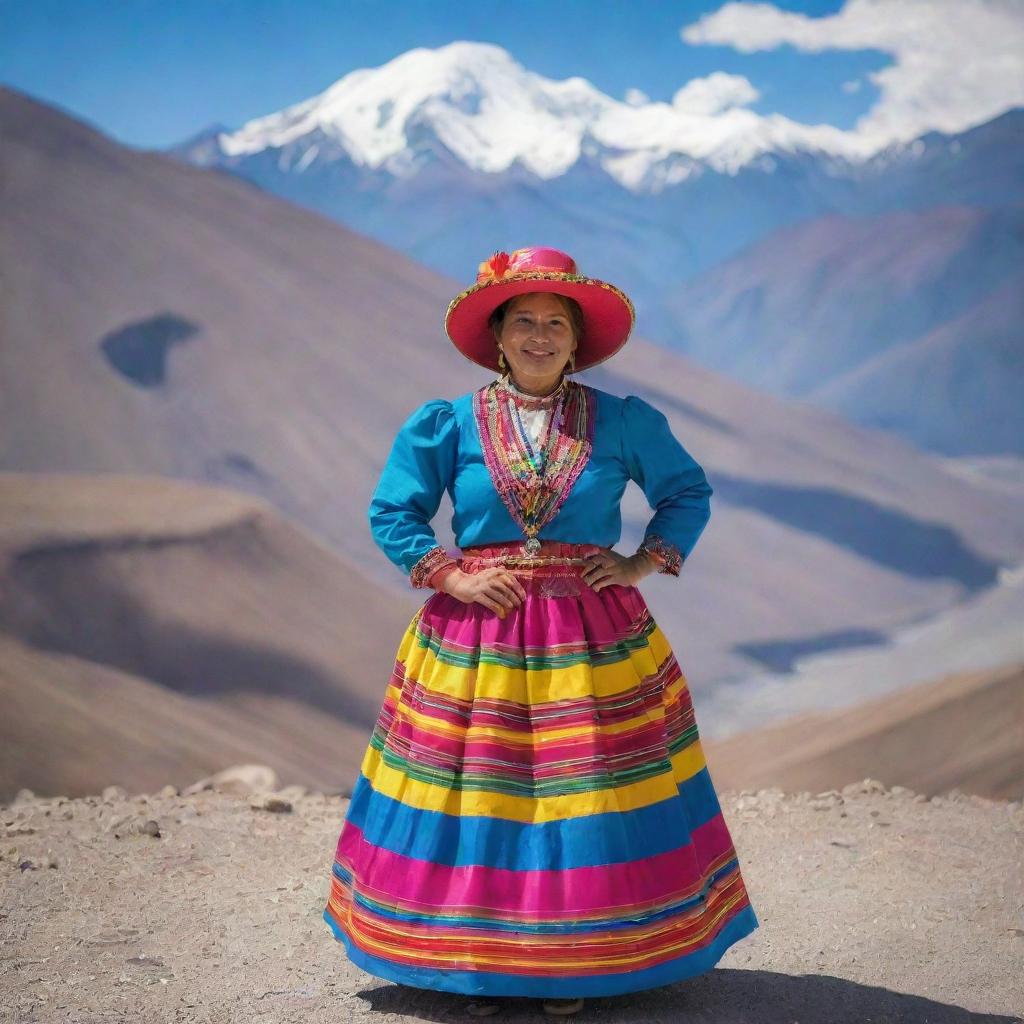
x,y
524,399
527,405
533,485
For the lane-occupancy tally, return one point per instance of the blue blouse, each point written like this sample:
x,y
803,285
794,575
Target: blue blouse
x,y
438,449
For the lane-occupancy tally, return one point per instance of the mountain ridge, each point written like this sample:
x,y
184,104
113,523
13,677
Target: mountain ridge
x,y
440,153
310,344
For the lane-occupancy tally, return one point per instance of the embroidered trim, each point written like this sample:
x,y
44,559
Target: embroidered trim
x,y
419,575
543,275
534,486
525,401
438,575
667,555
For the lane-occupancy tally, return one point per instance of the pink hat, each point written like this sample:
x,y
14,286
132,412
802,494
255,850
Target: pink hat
x,y
608,314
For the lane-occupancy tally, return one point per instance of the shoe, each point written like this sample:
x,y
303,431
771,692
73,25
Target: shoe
x,y
558,1007
483,1007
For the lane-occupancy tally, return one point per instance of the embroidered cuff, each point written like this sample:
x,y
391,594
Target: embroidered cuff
x,y
434,559
666,554
439,574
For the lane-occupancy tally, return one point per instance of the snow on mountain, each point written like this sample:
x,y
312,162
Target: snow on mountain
x,y
491,113
460,150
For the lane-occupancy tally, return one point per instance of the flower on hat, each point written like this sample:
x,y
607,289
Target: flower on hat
x,y
493,269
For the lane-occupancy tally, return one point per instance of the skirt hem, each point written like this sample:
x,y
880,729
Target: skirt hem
x,y
490,983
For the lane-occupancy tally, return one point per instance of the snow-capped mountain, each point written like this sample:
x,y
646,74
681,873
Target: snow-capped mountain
x,y
449,154
461,149
491,114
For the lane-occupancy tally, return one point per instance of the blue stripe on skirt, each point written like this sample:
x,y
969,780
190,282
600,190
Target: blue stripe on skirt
x,y
593,839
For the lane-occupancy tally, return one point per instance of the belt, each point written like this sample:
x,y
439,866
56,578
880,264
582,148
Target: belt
x,y
555,558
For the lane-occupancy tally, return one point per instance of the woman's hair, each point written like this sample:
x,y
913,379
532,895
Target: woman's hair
x,y
497,319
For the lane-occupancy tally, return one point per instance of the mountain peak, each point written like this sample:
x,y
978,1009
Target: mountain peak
x,y
478,102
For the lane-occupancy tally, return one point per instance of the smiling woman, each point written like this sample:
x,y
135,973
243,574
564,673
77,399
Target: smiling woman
x,y
534,815
535,325
536,338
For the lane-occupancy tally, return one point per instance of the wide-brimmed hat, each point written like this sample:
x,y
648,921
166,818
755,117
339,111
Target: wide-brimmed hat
x,y
608,314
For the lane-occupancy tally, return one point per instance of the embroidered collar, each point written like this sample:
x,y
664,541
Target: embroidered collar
x,y
508,390
534,488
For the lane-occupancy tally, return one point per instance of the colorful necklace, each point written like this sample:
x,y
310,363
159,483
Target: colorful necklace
x,y
527,401
532,406
532,485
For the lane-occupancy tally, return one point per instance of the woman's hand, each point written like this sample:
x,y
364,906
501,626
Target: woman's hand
x,y
608,567
495,588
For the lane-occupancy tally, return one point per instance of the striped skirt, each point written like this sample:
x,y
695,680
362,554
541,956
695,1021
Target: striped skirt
x,y
533,815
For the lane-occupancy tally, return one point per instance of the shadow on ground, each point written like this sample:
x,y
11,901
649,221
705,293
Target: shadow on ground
x,y
720,997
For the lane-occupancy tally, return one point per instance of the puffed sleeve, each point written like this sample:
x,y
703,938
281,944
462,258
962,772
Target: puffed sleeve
x,y
418,470
672,481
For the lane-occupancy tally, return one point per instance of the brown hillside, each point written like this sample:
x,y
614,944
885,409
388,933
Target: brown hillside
x,y
965,731
164,320
153,629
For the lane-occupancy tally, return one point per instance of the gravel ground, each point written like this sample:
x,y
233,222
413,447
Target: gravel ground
x,y
875,905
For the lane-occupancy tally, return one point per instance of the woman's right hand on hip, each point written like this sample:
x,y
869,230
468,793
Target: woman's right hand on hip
x,y
495,588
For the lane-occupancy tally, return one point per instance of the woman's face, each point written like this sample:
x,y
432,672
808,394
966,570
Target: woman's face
x,y
537,339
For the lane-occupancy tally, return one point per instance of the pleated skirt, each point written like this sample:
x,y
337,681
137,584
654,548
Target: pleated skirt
x,y
533,814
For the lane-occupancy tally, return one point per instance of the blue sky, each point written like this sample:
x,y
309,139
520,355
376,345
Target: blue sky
x,y
152,72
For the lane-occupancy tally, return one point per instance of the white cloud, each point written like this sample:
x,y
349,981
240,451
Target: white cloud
x,y
706,97
852,86
956,63
637,97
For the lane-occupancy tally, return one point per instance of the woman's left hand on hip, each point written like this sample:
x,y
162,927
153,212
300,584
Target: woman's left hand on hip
x,y
607,567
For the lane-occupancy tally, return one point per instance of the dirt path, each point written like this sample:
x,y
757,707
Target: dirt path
x,y
875,905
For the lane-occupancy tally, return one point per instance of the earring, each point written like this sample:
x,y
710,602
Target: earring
x,y
502,365
572,361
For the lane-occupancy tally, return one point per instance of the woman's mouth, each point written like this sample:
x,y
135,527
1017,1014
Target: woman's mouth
x,y
537,353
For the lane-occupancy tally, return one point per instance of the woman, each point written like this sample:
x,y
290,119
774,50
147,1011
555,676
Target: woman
x,y
534,815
